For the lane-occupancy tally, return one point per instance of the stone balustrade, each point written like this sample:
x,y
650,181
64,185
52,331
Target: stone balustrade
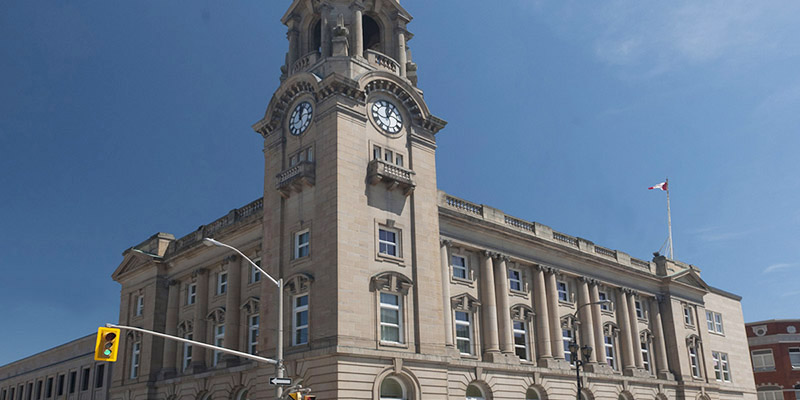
x,y
535,229
254,209
395,176
295,178
305,62
382,61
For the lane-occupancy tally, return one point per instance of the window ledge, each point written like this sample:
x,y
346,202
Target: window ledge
x,y
461,281
607,312
642,320
519,293
716,333
299,261
566,303
389,258
384,343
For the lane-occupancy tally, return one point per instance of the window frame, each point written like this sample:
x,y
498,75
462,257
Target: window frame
x,y
519,280
763,352
609,343
714,322
302,249
219,341
252,333
455,267
525,333
139,307
191,293
296,310
794,359
255,274
567,335
647,361
688,315
99,376
186,357
396,244
638,307
398,308
565,292
136,353
85,375
603,295
694,362
721,366
470,338
222,283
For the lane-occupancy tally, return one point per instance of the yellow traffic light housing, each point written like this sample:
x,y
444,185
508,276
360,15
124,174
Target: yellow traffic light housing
x,y
296,395
107,344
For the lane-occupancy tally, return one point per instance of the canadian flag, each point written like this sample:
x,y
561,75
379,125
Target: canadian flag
x,y
662,186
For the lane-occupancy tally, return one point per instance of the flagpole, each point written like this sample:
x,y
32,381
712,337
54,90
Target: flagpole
x,y
669,223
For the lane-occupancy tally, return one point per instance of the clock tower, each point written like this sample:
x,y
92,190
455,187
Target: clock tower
x,y
350,198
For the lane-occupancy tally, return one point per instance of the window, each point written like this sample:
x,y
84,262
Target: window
x,y
387,242
392,389
137,347
603,296
608,344
770,394
39,388
645,355
11,394
388,156
515,279
763,360
376,152
255,274
521,347
391,318
794,357
85,379
532,394
60,385
306,154
463,322
30,391
99,376
475,393
398,160
73,381
721,368
566,336
300,320
714,322
222,282
191,293
139,305
459,264
252,334
187,351
301,244
639,310
563,291
48,391
687,315
694,362
219,341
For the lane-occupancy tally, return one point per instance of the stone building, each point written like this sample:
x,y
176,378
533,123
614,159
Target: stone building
x,y
775,351
394,289
66,372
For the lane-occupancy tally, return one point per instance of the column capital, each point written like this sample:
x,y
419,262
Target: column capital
x,y
199,271
588,280
629,291
487,253
173,282
501,256
230,259
660,298
357,5
446,242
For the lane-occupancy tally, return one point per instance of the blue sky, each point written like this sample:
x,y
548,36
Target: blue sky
x,y
120,120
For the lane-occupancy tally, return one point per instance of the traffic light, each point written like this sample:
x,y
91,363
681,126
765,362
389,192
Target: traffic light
x,y
301,396
107,344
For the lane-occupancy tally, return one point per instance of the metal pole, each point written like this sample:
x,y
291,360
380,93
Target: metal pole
x,y
669,223
578,371
279,346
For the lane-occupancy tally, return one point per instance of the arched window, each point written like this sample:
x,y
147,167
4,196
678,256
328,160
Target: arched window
x,y
532,394
372,34
316,37
475,393
392,389
610,332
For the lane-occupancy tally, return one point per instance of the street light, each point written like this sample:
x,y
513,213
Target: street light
x,y
281,370
585,350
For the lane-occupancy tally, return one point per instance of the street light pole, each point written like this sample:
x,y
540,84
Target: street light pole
x,y
280,368
576,351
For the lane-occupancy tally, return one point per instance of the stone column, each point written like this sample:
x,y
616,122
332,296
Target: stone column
x,y
294,42
662,366
542,319
597,327
200,311
444,252
586,318
325,31
357,49
626,345
401,50
170,346
636,341
232,301
552,311
489,306
503,309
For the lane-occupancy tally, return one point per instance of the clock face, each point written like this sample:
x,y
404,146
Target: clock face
x,y
301,117
387,116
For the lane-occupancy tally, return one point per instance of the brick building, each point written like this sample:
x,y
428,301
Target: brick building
x,y
775,351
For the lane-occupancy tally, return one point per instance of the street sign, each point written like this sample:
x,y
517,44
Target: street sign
x,y
280,381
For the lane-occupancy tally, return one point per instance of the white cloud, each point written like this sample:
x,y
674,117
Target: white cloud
x,y
780,267
718,234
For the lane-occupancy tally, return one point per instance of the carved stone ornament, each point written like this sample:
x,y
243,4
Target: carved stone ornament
x,y
185,327
217,315
610,329
522,312
693,340
299,283
340,30
569,322
251,306
446,242
646,336
199,271
465,302
391,281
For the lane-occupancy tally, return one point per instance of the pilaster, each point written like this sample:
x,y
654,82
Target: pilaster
x,y
489,309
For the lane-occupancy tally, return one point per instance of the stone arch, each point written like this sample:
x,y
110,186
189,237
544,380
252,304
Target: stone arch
x,y
661,396
536,392
240,393
478,390
185,327
411,387
522,312
569,321
586,394
702,396
412,101
625,395
298,283
203,395
251,305
296,85
217,315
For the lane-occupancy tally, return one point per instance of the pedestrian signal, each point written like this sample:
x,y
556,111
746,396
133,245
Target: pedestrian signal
x,y
107,344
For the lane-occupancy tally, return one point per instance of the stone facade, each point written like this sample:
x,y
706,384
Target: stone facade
x,y
66,372
394,289
775,352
